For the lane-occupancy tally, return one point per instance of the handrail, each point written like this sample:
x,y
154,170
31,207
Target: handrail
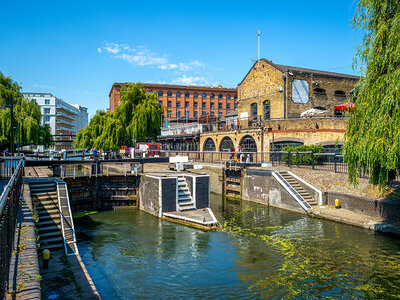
x,y
6,191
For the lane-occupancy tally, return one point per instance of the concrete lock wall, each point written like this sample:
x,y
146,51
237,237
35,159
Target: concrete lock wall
x,y
168,191
149,193
202,191
260,186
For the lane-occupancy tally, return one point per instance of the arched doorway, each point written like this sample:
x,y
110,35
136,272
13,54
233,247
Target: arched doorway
x,y
209,145
248,144
226,144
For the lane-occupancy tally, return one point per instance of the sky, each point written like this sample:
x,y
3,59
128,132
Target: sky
x,y
76,50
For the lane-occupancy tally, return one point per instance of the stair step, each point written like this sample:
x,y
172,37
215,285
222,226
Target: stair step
x,y
184,198
47,211
52,246
186,203
55,232
51,240
48,229
52,222
187,208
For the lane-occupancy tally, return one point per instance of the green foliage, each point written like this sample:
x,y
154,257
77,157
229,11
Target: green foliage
x,y
302,158
372,139
135,119
26,113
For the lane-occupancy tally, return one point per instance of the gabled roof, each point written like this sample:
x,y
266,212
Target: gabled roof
x,y
284,68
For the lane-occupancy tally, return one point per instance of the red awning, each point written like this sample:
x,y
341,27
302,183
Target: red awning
x,y
345,106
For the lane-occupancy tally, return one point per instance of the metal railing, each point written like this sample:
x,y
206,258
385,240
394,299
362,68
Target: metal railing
x,y
9,203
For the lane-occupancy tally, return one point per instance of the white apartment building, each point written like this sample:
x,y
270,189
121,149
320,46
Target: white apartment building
x,y
64,119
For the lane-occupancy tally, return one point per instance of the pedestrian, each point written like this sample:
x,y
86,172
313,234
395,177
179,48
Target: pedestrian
x,y
239,154
5,152
232,153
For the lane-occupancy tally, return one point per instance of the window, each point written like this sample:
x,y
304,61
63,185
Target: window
x,y
212,96
178,114
47,111
220,105
212,113
186,114
169,94
204,105
195,114
34,100
160,101
209,145
160,94
340,94
150,92
220,96
178,103
212,105
187,95
248,144
204,95
254,110
319,91
195,95
194,104
228,97
235,106
228,106
235,97
47,118
46,101
203,113
186,104
267,110
278,146
226,144
220,114
178,94
169,104
169,114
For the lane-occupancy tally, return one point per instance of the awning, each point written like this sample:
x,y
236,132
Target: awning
x,y
345,106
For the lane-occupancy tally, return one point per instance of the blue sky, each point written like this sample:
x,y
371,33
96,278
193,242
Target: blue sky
x,y
78,49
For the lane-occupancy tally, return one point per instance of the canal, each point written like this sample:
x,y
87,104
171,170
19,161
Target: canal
x,y
262,252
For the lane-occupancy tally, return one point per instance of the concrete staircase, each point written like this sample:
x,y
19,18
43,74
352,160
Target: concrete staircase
x,y
185,201
299,189
44,197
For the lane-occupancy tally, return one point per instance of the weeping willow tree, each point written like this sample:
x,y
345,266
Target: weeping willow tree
x,y
372,140
26,114
135,119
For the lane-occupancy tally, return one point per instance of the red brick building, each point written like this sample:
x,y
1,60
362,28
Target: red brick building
x,y
186,102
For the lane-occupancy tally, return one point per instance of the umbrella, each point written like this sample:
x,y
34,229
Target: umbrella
x,y
345,106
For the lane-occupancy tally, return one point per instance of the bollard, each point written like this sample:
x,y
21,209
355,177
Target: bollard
x,y
46,257
337,203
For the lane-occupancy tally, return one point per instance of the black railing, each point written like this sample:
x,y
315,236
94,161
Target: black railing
x,y
9,203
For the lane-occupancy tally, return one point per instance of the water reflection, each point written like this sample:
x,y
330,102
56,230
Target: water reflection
x,y
262,252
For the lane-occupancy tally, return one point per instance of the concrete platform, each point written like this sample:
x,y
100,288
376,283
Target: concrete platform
x,y
203,216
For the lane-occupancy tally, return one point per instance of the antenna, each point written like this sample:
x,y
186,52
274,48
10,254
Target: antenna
x,y
259,41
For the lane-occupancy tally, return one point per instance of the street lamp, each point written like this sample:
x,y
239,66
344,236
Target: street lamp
x,y
11,107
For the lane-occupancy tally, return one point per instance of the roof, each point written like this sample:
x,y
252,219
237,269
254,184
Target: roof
x,y
284,68
171,86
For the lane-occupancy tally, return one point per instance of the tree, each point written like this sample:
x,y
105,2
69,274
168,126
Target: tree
x,y
135,119
372,139
26,113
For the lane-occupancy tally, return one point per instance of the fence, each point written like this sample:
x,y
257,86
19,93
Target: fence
x,y
9,203
316,161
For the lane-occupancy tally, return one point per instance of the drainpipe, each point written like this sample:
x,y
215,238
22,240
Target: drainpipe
x,y
284,94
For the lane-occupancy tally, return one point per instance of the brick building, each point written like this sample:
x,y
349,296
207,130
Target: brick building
x,y
186,102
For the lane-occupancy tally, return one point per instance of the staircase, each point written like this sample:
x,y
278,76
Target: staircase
x,y
185,201
44,197
299,189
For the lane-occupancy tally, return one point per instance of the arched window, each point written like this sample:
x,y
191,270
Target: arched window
x,y
228,97
187,95
248,144
254,110
204,95
226,144
319,91
209,145
169,94
212,96
220,96
178,94
195,95
235,97
278,146
340,94
267,110
160,93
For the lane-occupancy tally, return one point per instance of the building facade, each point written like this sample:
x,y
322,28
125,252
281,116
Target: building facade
x,y
272,99
64,119
186,102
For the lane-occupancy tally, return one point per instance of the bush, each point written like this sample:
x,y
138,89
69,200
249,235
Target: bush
x,y
302,158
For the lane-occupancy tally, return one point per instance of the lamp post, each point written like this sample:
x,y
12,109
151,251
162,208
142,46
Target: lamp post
x,y
11,107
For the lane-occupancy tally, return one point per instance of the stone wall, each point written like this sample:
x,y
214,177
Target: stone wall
x,y
150,198
260,186
374,208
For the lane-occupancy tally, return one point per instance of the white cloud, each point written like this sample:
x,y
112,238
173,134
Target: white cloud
x,y
142,56
191,80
